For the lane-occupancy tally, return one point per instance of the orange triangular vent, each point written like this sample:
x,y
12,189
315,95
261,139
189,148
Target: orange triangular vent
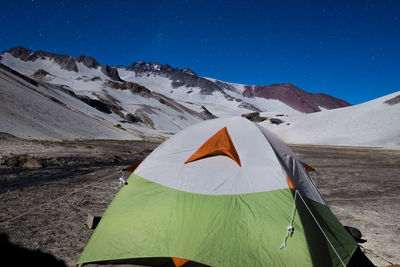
x,y
218,144
178,261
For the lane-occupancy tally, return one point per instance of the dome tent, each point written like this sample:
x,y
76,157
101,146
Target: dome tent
x,y
224,192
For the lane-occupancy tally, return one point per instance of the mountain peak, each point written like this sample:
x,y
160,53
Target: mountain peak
x,y
188,71
287,85
19,52
139,67
65,61
88,61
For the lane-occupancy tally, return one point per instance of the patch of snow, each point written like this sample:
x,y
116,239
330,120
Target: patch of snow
x,y
371,124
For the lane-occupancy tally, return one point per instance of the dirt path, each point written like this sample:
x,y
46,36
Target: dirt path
x,y
360,185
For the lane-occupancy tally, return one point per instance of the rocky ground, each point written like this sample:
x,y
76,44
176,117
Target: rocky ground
x,y
361,187
48,188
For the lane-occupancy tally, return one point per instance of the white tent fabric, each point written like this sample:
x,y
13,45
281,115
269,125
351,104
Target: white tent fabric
x,y
260,170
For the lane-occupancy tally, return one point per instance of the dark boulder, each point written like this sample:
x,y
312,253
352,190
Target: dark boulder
x,y
254,116
132,118
275,121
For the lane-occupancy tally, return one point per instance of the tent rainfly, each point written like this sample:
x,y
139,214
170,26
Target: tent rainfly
x,y
224,192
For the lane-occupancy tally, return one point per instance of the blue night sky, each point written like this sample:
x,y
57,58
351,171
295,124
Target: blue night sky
x,y
348,49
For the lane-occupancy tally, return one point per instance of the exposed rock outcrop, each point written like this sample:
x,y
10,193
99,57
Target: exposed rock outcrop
x,y
188,71
249,106
16,73
133,87
143,67
88,61
40,74
276,121
97,104
206,114
111,72
393,101
20,52
131,118
254,116
64,61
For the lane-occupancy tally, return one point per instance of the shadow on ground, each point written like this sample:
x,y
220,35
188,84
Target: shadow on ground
x,y
17,255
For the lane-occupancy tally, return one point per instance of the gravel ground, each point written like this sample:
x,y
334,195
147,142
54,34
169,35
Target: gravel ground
x,y
360,185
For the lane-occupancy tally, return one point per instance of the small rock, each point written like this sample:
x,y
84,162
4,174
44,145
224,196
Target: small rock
x,y
132,118
15,161
32,163
116,159
275,121
254,116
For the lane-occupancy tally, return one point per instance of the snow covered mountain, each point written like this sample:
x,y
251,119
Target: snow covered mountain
x,y
36,110
78,97
374,123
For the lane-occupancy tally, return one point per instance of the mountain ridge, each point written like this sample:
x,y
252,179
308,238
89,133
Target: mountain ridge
x,y
141,99
184,77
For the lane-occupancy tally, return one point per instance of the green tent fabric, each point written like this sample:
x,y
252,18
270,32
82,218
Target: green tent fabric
x,y
214,212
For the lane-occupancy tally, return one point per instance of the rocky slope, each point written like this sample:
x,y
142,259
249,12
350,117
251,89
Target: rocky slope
x,y
37,110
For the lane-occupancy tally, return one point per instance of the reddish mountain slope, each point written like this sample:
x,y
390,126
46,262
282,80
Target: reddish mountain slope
x,y
295,97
